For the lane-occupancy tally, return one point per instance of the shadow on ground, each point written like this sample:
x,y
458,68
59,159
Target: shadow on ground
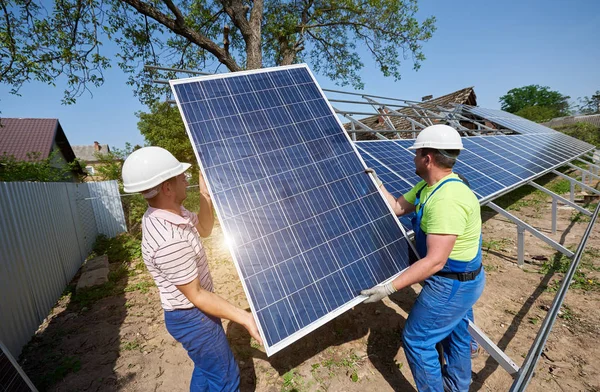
x,y
381,323
67,348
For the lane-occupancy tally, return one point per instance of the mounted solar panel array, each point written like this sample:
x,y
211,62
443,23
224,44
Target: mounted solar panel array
x,y
307,227
492,164
509,120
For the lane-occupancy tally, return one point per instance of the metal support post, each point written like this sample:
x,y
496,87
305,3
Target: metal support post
x,y
520,245
531,229
554,215
572,191
584,173
560,198
574,181
494,351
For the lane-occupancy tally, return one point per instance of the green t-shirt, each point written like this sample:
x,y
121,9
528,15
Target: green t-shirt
x,y
453,209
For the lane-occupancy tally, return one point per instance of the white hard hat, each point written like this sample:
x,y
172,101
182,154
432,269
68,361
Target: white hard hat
x,y
439,137
148,167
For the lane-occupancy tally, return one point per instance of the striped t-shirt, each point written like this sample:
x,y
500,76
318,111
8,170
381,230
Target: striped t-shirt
x,y
174,255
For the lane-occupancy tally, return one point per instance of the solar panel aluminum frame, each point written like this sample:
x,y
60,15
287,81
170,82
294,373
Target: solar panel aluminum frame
x,y
270,350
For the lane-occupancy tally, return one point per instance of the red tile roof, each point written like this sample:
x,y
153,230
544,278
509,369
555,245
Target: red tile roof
x,y
20,136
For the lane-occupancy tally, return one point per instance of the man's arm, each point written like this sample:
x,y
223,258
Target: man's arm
x,y
439,247
206,216
400,206
214,305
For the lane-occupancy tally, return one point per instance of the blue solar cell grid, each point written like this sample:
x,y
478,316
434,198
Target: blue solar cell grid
x,y
491,164
509,120
308,227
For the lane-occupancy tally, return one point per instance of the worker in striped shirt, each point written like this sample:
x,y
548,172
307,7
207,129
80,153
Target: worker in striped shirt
x,y
176,259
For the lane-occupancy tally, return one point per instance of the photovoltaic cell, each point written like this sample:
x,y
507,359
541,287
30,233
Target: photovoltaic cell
x,y
12,378
509,120
491,164
307,227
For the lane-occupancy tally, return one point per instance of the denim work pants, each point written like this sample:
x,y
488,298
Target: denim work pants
x,y
203,337
440,316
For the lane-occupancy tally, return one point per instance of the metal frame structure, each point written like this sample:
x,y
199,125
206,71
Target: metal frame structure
x,y
422,114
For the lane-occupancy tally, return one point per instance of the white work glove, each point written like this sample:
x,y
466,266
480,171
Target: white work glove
x,y
378,293
377,180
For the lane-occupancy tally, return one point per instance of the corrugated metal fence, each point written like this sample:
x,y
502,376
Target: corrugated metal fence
x,y
46,232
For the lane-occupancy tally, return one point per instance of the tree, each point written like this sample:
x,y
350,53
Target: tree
x,y
36,169
163,127
535,96
67,40
538,113
590,105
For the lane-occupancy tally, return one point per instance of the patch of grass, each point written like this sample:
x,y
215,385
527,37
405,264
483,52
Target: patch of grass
x,y
566,313
559,186
142,286
495,244
533,320
65,366
122,248
580,278
131,345
350,363
292,381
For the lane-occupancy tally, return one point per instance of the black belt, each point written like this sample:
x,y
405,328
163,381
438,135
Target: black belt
x,y
461,276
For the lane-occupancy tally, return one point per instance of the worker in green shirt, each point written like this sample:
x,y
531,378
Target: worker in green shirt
x,y
447,228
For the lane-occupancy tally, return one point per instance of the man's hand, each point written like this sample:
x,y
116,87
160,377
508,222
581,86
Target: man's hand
x,y
202,185
250,325
377,293
370,171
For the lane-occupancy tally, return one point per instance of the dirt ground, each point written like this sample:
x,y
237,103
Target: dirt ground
x,y
120,342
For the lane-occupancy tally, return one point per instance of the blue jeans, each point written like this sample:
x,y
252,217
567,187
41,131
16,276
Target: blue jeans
x,y
203,337
441,314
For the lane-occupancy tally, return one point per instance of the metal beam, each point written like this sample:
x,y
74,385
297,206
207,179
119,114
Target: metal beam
x,y
531,229
589,163
560,198
527,370
494,351
574,181
584,172
361,125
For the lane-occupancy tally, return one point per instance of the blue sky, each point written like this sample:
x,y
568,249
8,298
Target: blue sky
x,y
494,46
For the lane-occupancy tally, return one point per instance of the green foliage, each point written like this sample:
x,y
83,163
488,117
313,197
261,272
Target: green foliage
x,y
589,133
521,98
64,39
142,287
109,168
65,366
590,105
164,128
559,186
122,248
50,169
561,265
539,113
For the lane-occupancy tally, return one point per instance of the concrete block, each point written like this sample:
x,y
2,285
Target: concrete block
x,y
92,278
95,263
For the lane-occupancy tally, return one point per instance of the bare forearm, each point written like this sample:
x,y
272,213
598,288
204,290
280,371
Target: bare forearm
x,y
206,216
399,205
418,272
214,305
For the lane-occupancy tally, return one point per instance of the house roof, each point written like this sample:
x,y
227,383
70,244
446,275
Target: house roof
x,y
464,96
88,153
21,136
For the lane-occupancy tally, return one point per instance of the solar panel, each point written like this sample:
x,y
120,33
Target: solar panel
x,y
509,120
492,164
307,227
12,377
